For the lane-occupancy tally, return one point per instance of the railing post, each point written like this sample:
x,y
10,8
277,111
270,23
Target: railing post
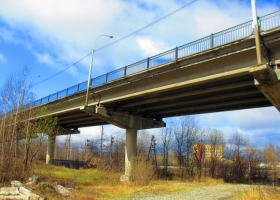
x,y
49,98
41,101
211,40
66,91
148,62
78,87
106,77
176,53
57,95
125,68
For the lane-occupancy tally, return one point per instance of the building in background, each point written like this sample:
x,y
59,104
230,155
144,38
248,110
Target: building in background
x,y
205,151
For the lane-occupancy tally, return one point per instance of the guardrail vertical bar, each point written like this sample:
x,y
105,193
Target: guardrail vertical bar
x,y
176,53
148,62
67,91
78,87
125,68
49,97
106,77
211,40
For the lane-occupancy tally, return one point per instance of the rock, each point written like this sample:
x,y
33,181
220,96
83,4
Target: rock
x,y
27,192
16,184
19,196
34,179
62,190
9,191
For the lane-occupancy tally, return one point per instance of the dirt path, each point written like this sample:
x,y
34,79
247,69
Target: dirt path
x,y
220,192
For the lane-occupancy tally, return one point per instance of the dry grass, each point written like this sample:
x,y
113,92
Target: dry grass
x,y
96,184
260,193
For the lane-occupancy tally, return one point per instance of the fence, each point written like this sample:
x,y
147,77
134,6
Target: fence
x,y
266,22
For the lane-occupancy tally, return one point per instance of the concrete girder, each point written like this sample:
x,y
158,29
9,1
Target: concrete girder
x,y
267,81
185,103
68,131
121,119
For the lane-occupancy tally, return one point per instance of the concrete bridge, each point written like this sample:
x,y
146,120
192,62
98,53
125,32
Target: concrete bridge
x,y
221,77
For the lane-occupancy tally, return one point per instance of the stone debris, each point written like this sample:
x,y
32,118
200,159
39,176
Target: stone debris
x,y
16,184
34,179
19,196
17,193
62,190
27,192
9,191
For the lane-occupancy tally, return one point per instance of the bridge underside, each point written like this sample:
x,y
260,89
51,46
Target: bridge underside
x,y
221,95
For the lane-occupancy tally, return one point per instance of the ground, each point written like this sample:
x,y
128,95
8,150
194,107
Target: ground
x,y
98,184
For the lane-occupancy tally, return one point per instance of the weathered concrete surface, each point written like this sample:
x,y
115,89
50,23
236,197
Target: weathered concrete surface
x,y
268,82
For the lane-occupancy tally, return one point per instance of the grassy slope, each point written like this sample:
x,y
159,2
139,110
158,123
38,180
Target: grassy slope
x,y
96,184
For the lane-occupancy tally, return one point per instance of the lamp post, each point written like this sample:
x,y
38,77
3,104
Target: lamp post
x,y
90,68
257,31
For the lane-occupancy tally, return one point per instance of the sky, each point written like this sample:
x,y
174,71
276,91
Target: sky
x,y
48,36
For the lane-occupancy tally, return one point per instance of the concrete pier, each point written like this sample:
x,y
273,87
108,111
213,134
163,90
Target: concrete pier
x,y
130,153
50,150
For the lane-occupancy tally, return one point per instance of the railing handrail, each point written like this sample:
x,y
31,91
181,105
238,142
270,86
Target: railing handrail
x,y
176,50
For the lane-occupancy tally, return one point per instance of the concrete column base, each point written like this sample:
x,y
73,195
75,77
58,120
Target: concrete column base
x,y
125,178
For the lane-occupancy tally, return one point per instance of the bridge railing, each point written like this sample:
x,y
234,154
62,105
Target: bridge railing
x,y
266,22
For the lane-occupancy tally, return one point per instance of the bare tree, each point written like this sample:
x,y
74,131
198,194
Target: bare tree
x,y
269,157
20,128
252,159
216,138
143,141
185,138
165,136
238,144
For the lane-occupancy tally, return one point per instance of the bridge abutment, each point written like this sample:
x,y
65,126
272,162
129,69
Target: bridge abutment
x,y
50,149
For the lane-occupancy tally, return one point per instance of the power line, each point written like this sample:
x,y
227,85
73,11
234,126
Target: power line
x,y
112,43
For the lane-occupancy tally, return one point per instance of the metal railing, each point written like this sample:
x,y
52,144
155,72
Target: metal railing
x,y
266,22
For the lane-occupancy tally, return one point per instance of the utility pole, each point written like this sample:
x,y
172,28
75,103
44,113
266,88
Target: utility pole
x,y
101,140
68,150
111,145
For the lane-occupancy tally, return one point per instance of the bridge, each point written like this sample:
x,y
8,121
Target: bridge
x,y
217,73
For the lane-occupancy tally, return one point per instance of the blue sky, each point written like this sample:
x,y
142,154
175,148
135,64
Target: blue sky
x,y
49,35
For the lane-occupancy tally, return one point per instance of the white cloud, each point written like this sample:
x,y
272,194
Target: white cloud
x,y
2,58
44,58
150,47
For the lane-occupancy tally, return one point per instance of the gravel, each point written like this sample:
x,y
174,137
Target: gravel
x,y
220,192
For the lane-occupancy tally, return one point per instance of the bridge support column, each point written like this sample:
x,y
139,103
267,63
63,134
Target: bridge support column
x,y
50,149
130,153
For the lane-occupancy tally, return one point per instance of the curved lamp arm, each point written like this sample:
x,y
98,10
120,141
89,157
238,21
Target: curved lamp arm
x,y
90,67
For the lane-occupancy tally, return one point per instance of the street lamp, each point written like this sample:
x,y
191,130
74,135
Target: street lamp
x,y
90,68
